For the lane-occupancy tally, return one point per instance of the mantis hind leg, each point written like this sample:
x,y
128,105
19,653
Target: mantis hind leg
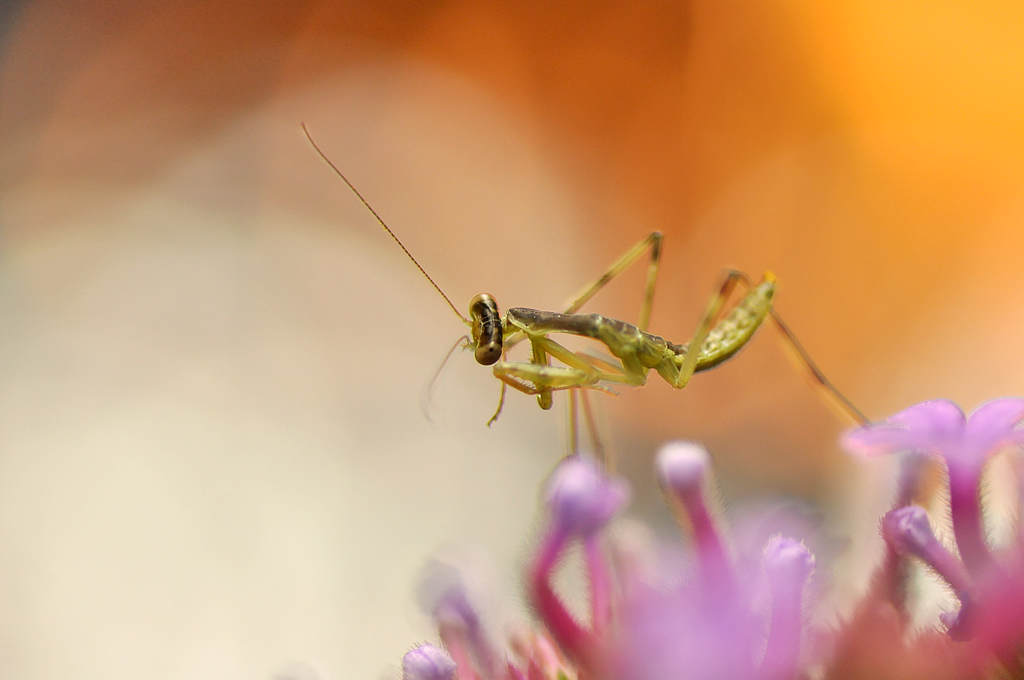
x,y
818,378
714,309
816,375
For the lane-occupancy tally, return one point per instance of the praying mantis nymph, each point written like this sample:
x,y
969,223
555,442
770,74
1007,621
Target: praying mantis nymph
x,y
636,351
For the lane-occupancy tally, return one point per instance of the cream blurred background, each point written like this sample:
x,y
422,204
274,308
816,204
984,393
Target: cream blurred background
x,y
213,458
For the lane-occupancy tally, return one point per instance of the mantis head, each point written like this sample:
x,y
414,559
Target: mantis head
x,y
487,328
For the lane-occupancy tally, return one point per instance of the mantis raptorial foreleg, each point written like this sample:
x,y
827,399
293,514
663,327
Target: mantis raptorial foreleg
x,y
637,351
539,378
651,242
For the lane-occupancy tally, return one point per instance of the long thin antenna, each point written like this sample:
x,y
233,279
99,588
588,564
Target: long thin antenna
x,y
383,224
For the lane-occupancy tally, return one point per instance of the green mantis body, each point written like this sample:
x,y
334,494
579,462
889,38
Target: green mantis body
x,y
636,352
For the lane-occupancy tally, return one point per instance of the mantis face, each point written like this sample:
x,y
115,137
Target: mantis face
x,y
487,328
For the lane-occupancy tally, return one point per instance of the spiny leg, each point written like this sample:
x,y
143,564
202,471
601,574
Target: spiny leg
x,y
540,358
693,349
530,378
653,241
618,337
585,367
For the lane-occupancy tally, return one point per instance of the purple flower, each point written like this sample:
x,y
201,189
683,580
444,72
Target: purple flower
x,y
989,583
964,444
909,533
939,427
788,565
705,624
581,500
682,470
653,614
724,608
427,662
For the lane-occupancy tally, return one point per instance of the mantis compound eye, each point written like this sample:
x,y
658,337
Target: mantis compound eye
x,y
487,330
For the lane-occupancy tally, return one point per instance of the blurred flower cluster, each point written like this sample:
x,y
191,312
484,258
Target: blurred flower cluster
x,y
719,614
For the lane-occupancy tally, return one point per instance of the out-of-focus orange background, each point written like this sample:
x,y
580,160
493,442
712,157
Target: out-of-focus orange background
x,y
214,461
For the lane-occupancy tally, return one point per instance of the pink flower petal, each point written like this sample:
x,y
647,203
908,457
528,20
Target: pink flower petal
x,y
931,426
994,423
876,440
938,417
